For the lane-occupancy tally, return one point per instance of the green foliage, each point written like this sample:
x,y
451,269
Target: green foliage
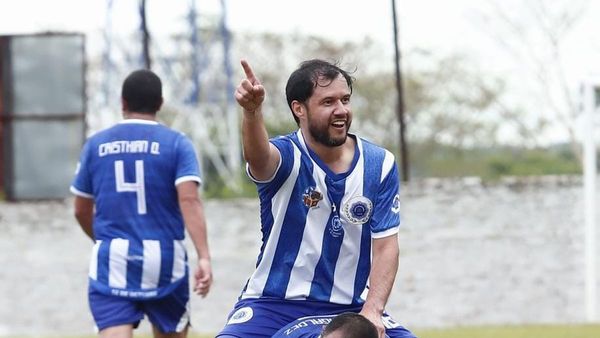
x,y
435,160
214,187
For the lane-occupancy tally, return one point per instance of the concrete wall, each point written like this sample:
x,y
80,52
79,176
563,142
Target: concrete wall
x,y
471,253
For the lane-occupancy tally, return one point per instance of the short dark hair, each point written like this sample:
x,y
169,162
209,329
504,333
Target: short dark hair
x,y
142,90
352,325
303,81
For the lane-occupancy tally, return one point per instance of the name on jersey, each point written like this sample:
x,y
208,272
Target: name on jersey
x,y
135,294
136,146
305,323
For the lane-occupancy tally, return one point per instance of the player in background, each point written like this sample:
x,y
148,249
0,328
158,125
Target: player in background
x,y
136,193
330,209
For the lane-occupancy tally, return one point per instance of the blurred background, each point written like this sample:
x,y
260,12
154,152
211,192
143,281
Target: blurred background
x,y
491,108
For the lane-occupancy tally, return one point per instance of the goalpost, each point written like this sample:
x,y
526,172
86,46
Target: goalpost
x,y
591,103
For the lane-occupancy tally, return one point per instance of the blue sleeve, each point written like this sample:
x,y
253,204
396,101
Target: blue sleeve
x,y
386,213
187,162
82,183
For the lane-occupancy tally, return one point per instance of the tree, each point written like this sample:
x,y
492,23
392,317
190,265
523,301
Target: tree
x,y
535,34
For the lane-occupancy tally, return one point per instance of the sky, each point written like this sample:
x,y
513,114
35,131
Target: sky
x,y
445,27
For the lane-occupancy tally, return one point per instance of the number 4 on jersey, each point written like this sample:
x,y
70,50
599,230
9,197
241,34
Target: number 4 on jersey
x,y
138,186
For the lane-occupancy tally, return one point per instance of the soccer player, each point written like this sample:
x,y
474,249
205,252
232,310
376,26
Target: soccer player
x,y
345,325
329,209
136,192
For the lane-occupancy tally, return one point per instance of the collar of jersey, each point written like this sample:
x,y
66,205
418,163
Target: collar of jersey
x,y
140,121
322,165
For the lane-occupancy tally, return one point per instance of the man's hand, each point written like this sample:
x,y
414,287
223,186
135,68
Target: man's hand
x,y
203,277
375,318
250,94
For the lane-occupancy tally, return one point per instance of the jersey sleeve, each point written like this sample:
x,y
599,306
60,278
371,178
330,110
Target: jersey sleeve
x,y
187,162
386,216
82,182
286,161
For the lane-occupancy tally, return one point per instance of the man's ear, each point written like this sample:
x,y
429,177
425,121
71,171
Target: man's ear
x,y
161,103
124,106
299,109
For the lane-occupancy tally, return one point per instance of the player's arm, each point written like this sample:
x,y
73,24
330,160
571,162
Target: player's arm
x,y
384,267
84,213
262,156
195,223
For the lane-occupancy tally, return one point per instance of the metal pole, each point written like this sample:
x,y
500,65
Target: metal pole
x,y
589,183
400,104
145,36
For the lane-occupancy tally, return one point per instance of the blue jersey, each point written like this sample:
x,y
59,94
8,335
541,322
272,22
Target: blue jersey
x,y
131,171
317,225
308,327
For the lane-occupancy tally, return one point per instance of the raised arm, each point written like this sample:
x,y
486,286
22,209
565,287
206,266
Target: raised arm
x,y
261,155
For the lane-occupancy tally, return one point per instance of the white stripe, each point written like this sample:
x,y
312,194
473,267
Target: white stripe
x,y
347,264
80,193
388,163
140,121
93,272
312,241
279,205
185,319
178,261
188,178
386,233
117,264
151,267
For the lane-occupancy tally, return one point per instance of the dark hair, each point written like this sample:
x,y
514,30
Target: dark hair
x,y
142,90
310,74
352,325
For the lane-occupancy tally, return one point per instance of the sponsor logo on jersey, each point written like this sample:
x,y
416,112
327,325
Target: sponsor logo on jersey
x,y
396,204
311,197
358,209
241,316
335,228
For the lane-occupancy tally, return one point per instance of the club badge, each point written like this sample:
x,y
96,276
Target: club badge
x,y
358,210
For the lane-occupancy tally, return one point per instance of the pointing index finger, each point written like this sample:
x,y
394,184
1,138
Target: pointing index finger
x,y
249,73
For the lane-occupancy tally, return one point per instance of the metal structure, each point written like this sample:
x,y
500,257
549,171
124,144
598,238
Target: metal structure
x,y
591,112
197,75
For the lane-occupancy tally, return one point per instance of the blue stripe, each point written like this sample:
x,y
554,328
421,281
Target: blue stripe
x,y
290,237
330,249
166,262
373,161
134,265
103,258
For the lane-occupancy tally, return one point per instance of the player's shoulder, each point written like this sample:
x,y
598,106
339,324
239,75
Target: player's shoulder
x,y
370,147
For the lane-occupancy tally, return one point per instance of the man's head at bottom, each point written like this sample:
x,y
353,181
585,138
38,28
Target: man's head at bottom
x,y
350,325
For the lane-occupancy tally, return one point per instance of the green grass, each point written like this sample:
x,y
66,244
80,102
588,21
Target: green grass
x,y
526,331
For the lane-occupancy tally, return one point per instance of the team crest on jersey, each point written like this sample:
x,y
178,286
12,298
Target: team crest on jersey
x,y
241,316
358,209
396,204
311,197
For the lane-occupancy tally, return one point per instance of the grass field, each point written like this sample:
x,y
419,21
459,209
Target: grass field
x,y
528,331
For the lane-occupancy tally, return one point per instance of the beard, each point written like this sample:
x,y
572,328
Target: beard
x,y
322,135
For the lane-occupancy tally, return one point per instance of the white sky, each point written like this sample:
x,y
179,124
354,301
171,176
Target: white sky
x,y
442,26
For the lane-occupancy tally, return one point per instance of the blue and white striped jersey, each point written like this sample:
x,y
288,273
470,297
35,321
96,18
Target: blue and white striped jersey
x,y
131,171
317,225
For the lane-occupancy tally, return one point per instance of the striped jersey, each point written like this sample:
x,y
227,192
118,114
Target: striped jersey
x,y
131,171
317,225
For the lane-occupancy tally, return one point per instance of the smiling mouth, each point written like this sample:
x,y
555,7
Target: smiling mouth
x,y
339,124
